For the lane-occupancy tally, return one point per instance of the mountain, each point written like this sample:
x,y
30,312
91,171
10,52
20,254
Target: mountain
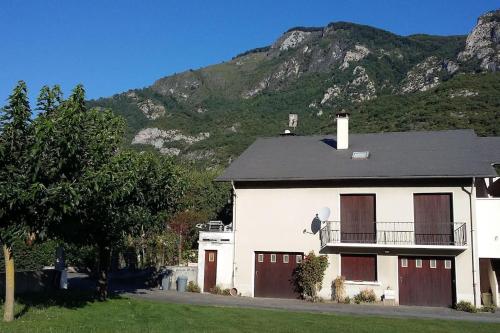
x,y
387,82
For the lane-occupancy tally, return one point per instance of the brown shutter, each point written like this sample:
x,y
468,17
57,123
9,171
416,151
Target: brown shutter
x,y
433,219
359,267
357,218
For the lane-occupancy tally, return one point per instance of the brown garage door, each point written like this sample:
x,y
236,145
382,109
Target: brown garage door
x,y
426,281
274,273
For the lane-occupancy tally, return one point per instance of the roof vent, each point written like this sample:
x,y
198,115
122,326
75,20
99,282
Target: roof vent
x,y
360,155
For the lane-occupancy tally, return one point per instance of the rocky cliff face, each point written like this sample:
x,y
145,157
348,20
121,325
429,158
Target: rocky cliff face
x,y
483,43
311,71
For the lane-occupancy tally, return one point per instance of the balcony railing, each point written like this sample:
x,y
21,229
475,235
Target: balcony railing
x,y
397,234
215,226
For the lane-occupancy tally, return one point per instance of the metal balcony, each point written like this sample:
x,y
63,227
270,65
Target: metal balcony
x,y
397,235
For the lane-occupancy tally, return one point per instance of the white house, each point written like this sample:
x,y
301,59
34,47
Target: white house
x,y
408,214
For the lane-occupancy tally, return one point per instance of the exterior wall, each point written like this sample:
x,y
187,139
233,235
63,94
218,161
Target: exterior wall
x,y
387,277
225,251
488,227
275,218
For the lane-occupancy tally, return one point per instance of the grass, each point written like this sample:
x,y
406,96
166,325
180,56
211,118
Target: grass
x,y
79,313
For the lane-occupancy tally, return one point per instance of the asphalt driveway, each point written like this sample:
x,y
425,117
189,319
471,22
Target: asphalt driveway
x,y
299,305
138,290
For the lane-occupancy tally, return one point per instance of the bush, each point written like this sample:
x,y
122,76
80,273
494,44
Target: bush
x,y
339,289
365,296
308,276
488,308
193,287
217,290
32,257
465,306
346,300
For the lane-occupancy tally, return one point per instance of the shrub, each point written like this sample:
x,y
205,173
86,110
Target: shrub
x,y
488,308
346,300
465,306
193,287
339,289
216,290
308,276
32,257
365,296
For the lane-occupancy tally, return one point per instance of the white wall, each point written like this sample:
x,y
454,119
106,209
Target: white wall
x,y
488,227
273,219
225,252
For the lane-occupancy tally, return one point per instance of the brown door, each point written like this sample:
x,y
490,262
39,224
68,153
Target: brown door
x,y
357,218
210,270
274,274
433,219
427,281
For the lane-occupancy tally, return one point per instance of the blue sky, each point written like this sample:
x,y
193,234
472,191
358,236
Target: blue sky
x,y
111,46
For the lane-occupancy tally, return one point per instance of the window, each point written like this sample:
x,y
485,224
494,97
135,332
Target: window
x,y
447,264
211,257
418,263
359,267
298,258
432,263
273,257
260,257
285,258
404,262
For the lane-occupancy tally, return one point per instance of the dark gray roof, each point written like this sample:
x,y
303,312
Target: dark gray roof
x,y
455,153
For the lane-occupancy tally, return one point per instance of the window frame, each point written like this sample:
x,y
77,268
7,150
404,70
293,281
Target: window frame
x,y
418,263
448,264
298,258
404,262
431,261
273,258
260,257
287,258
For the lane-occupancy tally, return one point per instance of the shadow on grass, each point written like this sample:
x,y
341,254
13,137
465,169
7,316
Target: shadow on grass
x,y
70,299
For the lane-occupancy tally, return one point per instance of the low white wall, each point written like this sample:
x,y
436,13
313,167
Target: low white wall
x,y
488,227
177,271
225,254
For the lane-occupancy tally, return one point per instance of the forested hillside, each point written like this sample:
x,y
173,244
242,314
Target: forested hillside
x,y
387,82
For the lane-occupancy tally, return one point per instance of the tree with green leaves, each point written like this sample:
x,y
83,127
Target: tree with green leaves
x,y
49,99
132,192
15,183
93,191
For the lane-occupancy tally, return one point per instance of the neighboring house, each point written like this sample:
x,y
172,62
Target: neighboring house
x,y
411,215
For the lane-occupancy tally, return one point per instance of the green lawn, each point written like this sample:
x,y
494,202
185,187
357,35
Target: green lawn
x,y
131,315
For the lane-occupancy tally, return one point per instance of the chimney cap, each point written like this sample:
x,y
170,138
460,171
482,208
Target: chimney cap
x,y
343,115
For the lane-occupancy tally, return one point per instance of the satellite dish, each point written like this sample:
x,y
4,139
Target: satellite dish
x,y
324,214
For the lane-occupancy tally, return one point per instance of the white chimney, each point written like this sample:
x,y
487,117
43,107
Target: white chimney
x,y
342,130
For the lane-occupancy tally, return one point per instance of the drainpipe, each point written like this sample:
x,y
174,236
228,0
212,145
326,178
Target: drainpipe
x,y
472,232
234,231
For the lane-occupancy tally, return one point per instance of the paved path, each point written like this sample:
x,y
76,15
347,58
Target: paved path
x,y
81,281
299,305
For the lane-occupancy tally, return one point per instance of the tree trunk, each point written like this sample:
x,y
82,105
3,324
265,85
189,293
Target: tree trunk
x,y
8,313
180,249
102,281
